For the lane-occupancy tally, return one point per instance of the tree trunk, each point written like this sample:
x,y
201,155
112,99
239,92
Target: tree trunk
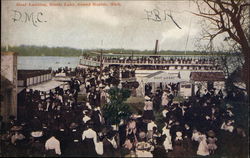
x,y
245,69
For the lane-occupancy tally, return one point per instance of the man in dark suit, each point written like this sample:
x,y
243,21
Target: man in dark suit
x,y
110,145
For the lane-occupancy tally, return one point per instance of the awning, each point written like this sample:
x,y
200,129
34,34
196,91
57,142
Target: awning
x,y
46,86
166,80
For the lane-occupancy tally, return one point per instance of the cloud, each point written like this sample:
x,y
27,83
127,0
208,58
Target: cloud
x,y
84,27
94,15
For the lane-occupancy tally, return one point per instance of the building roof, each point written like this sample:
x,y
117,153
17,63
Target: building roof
x,y
9,53
24,74
207,76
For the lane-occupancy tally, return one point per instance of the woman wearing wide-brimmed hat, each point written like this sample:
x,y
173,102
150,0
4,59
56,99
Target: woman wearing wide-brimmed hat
x,y
178,146
211,141
148,113
143,149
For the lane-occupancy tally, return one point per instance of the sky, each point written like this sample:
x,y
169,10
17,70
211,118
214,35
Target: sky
x,y
128,25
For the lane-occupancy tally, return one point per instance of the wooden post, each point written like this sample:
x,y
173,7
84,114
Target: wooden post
x,y
156,46
101,64
101,69
132,56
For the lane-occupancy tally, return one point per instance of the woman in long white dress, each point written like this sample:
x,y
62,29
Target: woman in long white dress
x,y
203,147
168,140
168,144
164,99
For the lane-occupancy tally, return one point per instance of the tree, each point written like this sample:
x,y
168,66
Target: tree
x,y
229,17
116,109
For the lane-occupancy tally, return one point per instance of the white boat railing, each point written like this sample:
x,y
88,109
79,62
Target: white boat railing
x,y
89,62
168,64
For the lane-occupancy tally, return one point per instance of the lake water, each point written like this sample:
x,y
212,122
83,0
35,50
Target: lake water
x,y
45,62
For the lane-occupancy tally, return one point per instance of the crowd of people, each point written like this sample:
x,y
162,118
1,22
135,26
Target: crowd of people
x,y
154,60
193,127
58,124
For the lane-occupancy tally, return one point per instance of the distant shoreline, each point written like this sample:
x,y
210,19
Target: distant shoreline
x,y
24,50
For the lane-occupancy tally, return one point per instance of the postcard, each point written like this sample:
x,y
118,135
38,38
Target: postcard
x,y
124,78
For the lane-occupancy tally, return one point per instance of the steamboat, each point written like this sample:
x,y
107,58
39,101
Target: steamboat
x,y
158,70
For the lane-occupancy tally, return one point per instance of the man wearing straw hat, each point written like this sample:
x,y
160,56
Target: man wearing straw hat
x,y
37,145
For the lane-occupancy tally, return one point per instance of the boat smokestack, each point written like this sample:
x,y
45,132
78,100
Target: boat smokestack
x,y
156,46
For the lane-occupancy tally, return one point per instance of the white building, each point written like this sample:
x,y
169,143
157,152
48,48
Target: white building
x,y
8,84
159,79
